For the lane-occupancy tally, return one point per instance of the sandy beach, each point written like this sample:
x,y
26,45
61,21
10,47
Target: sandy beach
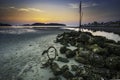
x,y
20,54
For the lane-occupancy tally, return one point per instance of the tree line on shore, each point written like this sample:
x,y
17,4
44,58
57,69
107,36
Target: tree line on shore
x,y
104,24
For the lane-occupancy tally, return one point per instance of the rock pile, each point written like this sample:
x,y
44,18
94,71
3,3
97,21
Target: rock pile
x,y
98,57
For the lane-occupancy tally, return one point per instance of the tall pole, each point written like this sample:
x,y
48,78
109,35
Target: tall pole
x,y
80,15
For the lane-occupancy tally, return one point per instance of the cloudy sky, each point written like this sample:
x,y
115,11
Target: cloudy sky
x,y
60,11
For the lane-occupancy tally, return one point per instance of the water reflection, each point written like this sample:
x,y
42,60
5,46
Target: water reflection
x,y
108,35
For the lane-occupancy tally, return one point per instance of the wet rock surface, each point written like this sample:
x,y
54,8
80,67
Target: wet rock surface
x,y
98,57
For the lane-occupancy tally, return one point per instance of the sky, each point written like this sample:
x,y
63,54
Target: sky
x,y
58,11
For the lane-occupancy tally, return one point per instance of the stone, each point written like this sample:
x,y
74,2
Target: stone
x,y
81,60
67,74
64,68
92,77
63,49
113,63
74,67
113,48
84,53
98,50
80,72
96,60
84,38
61,59
56,69
70,54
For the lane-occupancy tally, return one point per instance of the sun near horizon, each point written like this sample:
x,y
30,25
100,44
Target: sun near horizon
x,y
57,11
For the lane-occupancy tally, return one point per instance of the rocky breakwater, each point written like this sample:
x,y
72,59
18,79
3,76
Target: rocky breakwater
x,y
98,57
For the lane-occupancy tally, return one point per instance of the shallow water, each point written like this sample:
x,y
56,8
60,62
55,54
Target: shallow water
x,y
109,35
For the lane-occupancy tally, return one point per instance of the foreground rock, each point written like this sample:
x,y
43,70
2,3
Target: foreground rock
x,y
98,57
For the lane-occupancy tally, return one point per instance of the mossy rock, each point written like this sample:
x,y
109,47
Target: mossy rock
x,y
113,48
113,63
83,38
99,40
98,50
70,54
84,53
74,67
81,60
64,68
67,74
61,59
81,72
63,49
96,60
56,69
92,77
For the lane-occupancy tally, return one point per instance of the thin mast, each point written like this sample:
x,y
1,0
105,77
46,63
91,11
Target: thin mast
x,y
80,14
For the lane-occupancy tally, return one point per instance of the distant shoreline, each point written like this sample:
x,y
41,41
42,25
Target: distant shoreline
x,y
107,29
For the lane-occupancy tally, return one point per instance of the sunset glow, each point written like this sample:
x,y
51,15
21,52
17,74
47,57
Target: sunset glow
x,y
49,11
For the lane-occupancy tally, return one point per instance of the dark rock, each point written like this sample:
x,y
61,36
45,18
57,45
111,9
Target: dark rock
x,y
80,72
99,40
84,53
67,74
74,67
118,42
56,69
96,60
64,68
92,77
61,59
113,63
98,50
84,38
70,54
63,50
81,60
113,48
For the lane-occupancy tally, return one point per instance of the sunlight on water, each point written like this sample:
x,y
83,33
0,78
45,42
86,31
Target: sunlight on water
x,y
16,31
108,35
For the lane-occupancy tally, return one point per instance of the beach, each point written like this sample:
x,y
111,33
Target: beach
x,y
20,53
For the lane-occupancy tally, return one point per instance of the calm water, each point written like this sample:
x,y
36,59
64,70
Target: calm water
x,y
21,30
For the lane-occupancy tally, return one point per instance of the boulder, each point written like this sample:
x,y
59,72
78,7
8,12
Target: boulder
x,y
113,63
113,48
96,60
67,74
61,59
92,77
84,38
63,49
56,69
99,40
80,72
81,60
98,50
70,54
64,68
84,53
74,67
